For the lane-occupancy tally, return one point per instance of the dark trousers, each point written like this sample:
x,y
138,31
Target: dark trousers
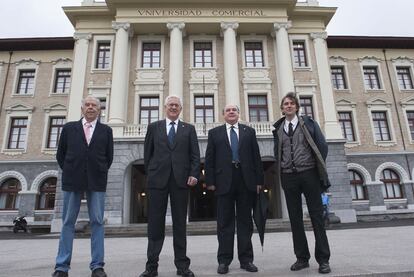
x,y
242,199
157,207
306,182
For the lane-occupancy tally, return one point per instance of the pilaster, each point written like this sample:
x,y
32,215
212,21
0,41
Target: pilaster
x,y
176,66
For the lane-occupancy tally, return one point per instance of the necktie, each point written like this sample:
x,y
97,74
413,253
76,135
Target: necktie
x,y
290,132
171,133
87,130
234,143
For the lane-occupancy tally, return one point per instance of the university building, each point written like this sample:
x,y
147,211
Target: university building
x,y
131,54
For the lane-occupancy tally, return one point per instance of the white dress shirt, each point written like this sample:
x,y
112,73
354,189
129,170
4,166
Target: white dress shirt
x,y
236,129
294,122
167,123
91,129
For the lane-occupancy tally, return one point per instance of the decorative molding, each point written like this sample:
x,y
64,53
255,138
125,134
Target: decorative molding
x,y
20,108
84,36
27,61
14,174
65,61
337,59
118,25
179,25
279,25
40,178
402,59
226,25
407,102
369,59
54,107
362,170
390,165
319,35
378,102
345,103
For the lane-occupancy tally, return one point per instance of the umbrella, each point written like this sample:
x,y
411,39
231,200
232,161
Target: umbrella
x,y
259,215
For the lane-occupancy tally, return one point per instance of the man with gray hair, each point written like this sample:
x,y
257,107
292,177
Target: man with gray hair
x,y
172,165
84,154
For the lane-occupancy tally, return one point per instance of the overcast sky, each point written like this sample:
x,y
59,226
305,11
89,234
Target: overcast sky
x,y
45,18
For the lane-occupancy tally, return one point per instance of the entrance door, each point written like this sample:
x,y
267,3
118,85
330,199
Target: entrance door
x,y
138,194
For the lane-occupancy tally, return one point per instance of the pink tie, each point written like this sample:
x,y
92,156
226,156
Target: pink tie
x,y
87,130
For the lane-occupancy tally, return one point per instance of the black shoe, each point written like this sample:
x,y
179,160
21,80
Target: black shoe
x,y
59,273
185,272
250,267
223,269
299,264
99,272
324,268
149,273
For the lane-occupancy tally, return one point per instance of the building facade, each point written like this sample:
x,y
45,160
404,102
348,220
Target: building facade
x,y
132,54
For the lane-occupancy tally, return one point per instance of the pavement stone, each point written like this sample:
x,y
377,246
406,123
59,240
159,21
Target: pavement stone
x,y
381,251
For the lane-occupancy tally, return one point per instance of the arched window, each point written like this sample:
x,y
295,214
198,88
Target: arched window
x,y
9,194
47,192
392,187
358,190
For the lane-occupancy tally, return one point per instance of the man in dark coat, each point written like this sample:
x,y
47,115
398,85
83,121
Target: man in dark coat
x,y
84,154
233,168
172,165
300,150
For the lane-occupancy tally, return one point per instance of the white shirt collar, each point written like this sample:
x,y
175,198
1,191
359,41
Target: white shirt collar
x,y
93,123
236,125
168,121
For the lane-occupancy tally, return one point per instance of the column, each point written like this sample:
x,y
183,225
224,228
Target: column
x,y
119,88
80,58
231,69
284,58
176,59
332,128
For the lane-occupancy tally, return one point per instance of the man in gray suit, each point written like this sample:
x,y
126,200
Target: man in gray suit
x,y
172,165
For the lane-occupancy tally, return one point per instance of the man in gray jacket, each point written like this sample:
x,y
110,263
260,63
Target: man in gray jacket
x,y
300,150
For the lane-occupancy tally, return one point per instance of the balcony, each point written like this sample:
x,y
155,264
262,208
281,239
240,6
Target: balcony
x,y
263,129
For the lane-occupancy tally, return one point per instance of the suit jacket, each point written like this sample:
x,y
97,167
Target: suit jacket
x,y
183,157
218,161
85,167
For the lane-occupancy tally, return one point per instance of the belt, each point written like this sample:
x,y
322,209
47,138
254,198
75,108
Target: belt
x,y
236,164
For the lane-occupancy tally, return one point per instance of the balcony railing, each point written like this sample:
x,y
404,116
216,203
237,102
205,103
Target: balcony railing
x,y
139,130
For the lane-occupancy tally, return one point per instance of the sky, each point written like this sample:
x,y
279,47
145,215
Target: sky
x,y
45,18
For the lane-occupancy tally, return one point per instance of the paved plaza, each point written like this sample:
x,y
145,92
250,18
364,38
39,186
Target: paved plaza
x,y
381,251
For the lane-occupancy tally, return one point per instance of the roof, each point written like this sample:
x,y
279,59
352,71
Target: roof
x,y
370,42
45,43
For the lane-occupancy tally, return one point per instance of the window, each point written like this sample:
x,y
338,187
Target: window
x,y
371,79
26,82
299,54
102,115
203,54
307,106
410,118
392,187
18,133
151,54
149,108
204,109
55,128
62,81
258,110
404,78
338,77
381,129
47,192
103,56
345,120
254,54
9,194
358,190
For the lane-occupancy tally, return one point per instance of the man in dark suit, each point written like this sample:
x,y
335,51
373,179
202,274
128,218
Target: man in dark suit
x,y
84,154
300,151
234,170
172,165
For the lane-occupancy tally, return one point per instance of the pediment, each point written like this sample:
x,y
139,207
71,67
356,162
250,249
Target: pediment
x,y
54,107
19,108
27,61
409,101
344,102
378,102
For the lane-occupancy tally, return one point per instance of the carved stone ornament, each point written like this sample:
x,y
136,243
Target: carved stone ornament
x,y
119,25
85,36
279,25
226,25
27,61
319,35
